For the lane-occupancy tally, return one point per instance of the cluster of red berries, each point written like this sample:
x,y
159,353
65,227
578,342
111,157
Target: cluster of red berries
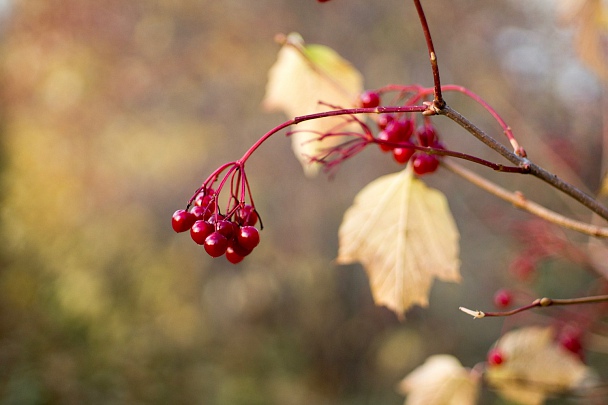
x,y
399,136
234,236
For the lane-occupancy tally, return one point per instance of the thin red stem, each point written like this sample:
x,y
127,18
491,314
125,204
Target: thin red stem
x,y
506,129
331,113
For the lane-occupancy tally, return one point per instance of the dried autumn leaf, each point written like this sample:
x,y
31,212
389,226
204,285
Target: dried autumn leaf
x,y
441,380
302,77
590,20
404,235
535,367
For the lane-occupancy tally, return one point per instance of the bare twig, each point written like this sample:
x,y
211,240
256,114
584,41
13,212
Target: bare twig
x,y
534,169
520,201
539,302
438,102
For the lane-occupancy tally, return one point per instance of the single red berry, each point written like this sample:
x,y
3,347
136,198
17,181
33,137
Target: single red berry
x,y
426,135
232,256
383,120
203,200
523,266
238,249
182,220
495,357
248,237
503,298
369,99
247,215
198,212
571,343
385,137
226,228
424,163
216,244
214,218
200,230
570,339
402,155
396,132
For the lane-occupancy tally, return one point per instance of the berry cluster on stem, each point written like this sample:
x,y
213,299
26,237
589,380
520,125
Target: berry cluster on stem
x,y
233,233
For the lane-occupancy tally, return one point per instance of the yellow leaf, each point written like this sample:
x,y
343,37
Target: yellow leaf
x,y
302,77
404,235
441,380
590,19
535,366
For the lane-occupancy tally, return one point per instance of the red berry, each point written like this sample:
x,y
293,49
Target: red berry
x,y
238,249
384,136
401,130
570,339
384,119
424,163
369,99
200,230
248,237
182,220
523,266
503,298
226,228
216,244
203,200
571,343
198,212
396,131
247,215
403,155
426,135
214,218
232,256
495,357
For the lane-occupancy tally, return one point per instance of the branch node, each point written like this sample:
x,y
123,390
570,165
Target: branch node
x,y
545,302
438,105
430,109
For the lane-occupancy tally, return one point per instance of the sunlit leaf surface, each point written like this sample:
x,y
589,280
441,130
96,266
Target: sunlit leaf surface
x,y
441,380
535,367
304,79
590,19
404,235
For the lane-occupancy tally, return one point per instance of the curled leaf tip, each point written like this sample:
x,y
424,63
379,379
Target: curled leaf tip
x,y
474,314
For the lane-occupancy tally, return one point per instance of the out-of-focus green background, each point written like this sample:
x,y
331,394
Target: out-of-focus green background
x,y
113,112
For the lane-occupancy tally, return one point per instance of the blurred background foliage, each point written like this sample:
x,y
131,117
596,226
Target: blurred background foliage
x,y
113,112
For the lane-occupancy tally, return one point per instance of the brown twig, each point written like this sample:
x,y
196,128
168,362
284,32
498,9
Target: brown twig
x,y
533,168
438,101
520,201
539,302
